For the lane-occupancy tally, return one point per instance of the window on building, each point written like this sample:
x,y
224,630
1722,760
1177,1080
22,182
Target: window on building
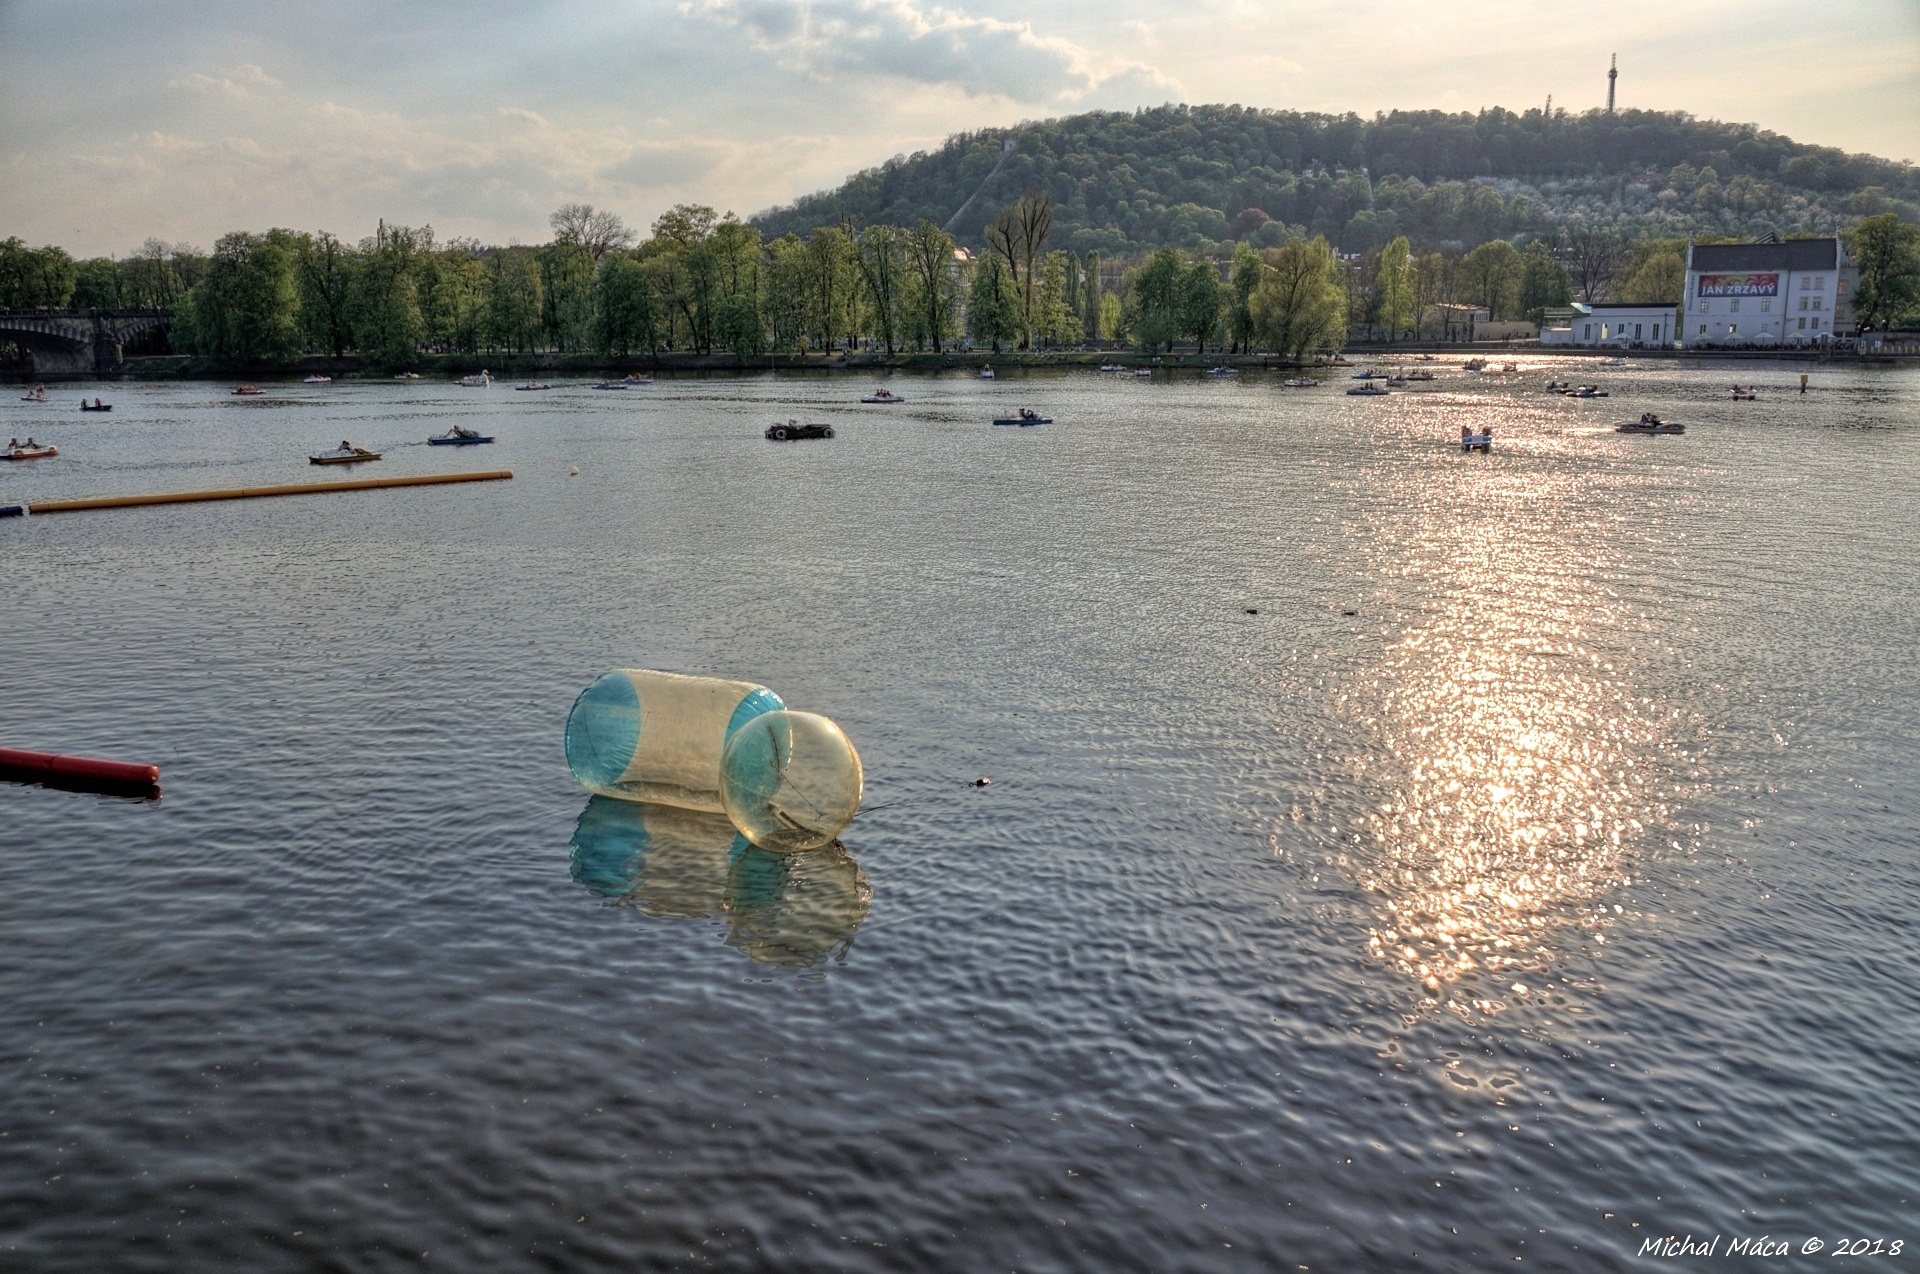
x,y
1820,283
1733,306
1766,306
1803,325
1733,329
1636,331
1803,302
1817,302
1587,333
1816,325
1703,328
1656,333
1840,288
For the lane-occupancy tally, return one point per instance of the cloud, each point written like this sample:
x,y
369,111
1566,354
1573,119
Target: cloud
x,y
237,83
982,56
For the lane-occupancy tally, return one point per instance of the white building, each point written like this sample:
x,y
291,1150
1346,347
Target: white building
x,y
1768,294
1614,326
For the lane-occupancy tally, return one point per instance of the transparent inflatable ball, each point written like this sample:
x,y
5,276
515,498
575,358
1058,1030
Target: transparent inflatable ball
x,y
790,781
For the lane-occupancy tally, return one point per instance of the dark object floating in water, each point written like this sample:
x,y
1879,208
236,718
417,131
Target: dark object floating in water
x,y
1253,610
982,781
795,430
1349,612
79,773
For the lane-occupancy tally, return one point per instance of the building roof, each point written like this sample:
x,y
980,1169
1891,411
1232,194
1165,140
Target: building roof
x,y
1628,305
1794,254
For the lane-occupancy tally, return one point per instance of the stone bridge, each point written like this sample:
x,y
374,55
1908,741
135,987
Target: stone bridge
x,y
77,342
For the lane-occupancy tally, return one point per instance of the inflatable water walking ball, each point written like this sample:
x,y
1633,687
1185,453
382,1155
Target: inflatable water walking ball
x,y
789,781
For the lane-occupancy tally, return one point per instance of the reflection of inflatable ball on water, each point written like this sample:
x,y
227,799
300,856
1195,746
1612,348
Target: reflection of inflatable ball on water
x,y
789,781
797,910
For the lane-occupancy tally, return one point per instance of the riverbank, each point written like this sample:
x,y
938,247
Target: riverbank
x,y
864,362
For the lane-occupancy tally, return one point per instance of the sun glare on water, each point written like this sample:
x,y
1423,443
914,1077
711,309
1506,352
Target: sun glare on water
x,y
1516,767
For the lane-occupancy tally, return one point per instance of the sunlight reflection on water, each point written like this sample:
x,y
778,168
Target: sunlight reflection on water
x,y
1518,768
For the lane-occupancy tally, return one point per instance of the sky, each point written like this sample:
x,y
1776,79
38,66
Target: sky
x,y
123,121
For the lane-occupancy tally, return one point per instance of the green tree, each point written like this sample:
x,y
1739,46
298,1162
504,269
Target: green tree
x,y
737,326
1429,278
624,317
453,298
97,285
1200,302
829,282
33,278
993,305
383,298
1300,304
686,271
1017,236
325,267
1544,283
153,276
1247,269
1054,317
246,307
1887,251
1155,296
878,256
1493,271
1393,288
786,293
930,264
1658,280
567,277
1092,300
514,302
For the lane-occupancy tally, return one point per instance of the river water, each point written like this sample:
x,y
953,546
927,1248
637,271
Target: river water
x,y
1394,858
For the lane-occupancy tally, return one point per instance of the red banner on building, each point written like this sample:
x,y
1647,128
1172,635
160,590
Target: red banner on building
x,y
1739,285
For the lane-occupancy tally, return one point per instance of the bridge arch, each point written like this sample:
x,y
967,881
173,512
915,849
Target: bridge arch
x,y
77,342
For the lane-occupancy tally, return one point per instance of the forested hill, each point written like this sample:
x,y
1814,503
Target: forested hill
x,y
1196,175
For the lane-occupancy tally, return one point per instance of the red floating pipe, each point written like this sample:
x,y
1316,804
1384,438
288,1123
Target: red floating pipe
x,y
77,769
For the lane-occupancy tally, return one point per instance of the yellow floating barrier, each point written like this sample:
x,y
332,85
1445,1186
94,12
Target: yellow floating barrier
x,y
247,493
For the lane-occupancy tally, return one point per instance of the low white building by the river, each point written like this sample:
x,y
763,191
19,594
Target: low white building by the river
x,y
1612,325
1798,292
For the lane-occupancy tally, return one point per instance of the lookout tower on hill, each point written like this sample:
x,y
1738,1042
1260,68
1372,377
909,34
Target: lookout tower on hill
x,y
1613,73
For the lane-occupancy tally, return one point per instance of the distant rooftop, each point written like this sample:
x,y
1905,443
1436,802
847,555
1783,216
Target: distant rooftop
x,y
1794,254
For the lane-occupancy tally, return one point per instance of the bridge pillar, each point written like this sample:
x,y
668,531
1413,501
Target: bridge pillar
x,y
106,349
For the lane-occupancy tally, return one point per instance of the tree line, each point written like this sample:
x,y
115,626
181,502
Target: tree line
x,y
704,283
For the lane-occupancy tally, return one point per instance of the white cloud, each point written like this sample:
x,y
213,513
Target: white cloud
x,y
238,83
982,56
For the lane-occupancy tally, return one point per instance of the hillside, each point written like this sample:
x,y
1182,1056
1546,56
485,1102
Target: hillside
x,y
1192,175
